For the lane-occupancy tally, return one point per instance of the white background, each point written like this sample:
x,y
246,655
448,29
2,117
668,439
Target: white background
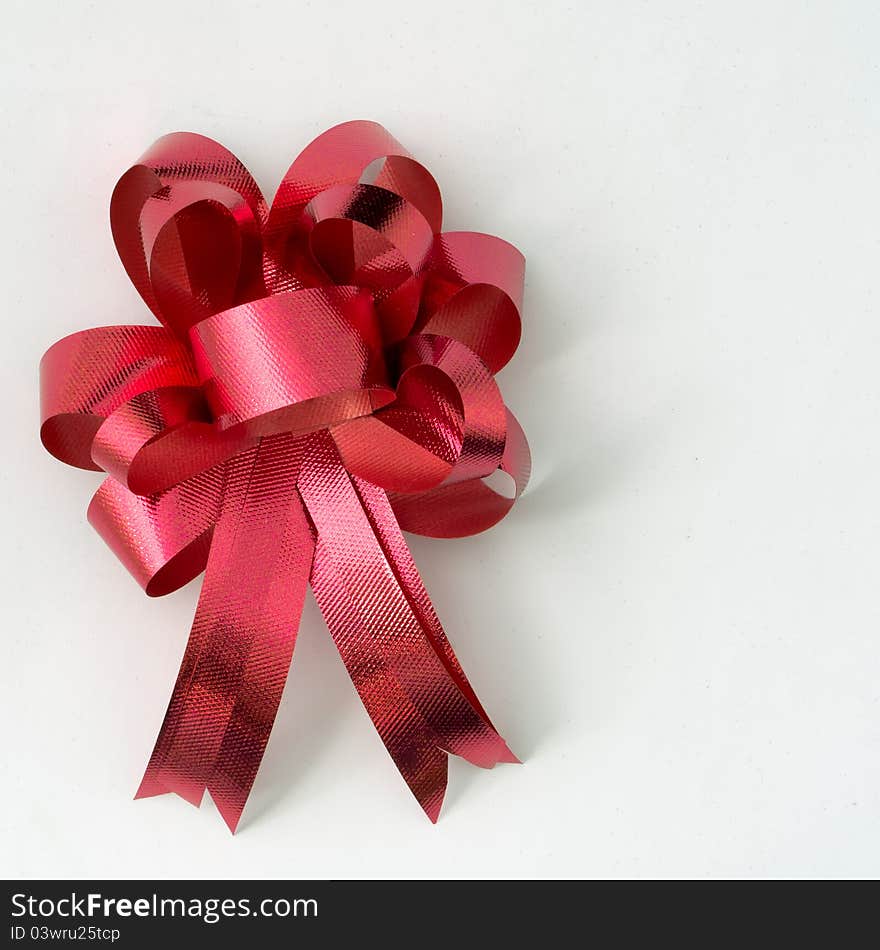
x,y
677,628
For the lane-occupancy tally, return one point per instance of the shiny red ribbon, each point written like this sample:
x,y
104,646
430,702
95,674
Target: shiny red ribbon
x,y
322,379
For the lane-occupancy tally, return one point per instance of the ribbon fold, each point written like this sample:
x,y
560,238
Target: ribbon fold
x,y
322,379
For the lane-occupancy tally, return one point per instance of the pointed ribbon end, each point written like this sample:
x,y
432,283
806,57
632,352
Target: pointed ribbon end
x,y
151,787
433,805
507,756
230,813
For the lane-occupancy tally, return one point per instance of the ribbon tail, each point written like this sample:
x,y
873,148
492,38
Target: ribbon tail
x,y
242,639
385,628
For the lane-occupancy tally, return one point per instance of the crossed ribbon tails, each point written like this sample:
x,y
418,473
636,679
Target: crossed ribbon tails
x,y
321,380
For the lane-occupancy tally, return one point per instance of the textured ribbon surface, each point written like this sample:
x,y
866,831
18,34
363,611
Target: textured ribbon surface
x,y
323,378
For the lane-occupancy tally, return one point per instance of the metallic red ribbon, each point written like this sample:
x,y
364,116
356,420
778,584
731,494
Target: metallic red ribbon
x,y
322,379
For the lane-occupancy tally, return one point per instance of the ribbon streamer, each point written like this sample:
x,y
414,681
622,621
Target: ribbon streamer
x,y
322,379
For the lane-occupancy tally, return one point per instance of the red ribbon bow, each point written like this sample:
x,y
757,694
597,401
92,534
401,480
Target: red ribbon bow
x,y
322,379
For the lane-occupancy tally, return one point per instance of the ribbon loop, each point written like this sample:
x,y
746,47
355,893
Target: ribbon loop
x,y
87,376
473,293
186,221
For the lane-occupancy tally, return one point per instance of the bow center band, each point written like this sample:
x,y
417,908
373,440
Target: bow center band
x,y
301,360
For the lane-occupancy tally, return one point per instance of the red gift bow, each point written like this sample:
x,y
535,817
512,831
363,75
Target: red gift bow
x,y
323,379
